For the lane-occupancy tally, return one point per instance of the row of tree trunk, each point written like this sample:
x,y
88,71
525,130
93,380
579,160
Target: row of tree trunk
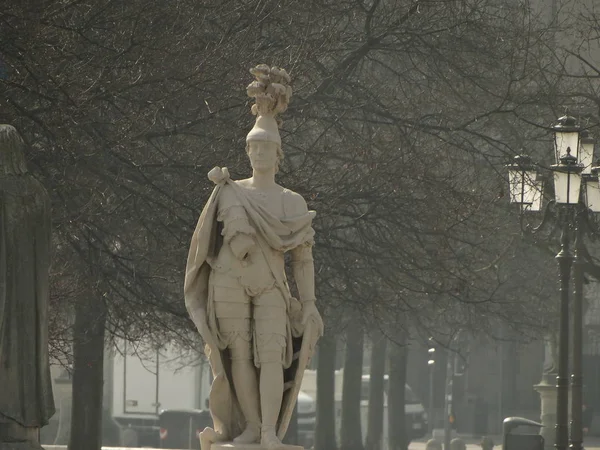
x,y
351,437
86,418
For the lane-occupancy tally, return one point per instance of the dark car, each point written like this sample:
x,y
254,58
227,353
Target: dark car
x,y
415,415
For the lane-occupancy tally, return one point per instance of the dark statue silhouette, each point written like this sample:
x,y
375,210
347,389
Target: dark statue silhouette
x,y
26,401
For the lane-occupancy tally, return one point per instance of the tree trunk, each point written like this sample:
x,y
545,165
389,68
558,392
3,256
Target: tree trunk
x,y
88,353
325,428
376,389
351,434
398,356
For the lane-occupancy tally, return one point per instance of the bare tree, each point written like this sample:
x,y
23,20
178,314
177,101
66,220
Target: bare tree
x,y
325,428
403,113
376,392
351,429
398,359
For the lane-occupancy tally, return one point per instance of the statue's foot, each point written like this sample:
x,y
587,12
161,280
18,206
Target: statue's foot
x,y
208,436
250,435
269,439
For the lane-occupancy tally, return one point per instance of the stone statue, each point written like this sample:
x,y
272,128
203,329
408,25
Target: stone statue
x,y
26,401
550,357
258,337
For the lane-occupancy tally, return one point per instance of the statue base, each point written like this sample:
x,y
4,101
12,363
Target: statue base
x,y
548,400
14,436
23,445
236,446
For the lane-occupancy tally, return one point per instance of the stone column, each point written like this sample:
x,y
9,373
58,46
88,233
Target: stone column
x,y
547,390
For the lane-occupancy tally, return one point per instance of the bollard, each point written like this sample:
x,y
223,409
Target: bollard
x,y
458,444
487,443
433,444
521,441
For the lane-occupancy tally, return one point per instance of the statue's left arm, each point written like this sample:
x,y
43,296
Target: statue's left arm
x,y
303,269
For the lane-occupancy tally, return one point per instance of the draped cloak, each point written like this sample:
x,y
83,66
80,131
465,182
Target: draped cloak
x,y
281,234
25,383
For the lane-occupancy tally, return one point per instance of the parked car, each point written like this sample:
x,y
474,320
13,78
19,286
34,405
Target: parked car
x,y
180,428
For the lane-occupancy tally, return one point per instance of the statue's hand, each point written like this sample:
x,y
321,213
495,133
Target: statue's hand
x,y
218,175
241,245
310,312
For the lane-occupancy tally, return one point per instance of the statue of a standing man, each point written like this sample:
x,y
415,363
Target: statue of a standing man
x,y
26,401
236,289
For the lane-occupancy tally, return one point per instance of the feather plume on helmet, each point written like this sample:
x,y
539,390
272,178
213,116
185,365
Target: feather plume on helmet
x,y
272,92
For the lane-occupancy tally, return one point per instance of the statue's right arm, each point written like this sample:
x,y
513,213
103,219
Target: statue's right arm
x,y
237,231
198,316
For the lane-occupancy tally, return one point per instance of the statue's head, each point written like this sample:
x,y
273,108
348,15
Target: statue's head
x,y
12,156
263,144
264,155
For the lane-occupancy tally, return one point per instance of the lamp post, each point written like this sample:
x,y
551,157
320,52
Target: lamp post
x,y
577,374
565,260
576,194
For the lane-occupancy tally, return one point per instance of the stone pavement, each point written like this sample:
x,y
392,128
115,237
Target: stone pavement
x,y
590,443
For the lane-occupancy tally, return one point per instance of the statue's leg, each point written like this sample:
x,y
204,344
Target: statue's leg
x,y
271,394
233,311
246,389
270,333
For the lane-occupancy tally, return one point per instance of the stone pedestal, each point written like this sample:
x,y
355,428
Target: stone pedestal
x,y
547,391
232,446
14,436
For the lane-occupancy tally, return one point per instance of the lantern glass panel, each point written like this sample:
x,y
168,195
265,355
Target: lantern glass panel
x,y
521,185
586,156
567,186
564,141
592,195
536,197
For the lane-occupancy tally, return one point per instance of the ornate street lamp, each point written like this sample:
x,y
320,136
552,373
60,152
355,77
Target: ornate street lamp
x,y
567,179
525,188
576,195
566,137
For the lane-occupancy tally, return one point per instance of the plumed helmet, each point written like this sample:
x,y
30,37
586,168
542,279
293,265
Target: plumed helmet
x,y
265,129
272,93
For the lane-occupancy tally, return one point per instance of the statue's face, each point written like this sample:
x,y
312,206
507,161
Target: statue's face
x,y
263,155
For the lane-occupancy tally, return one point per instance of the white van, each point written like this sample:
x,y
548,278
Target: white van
x,y
143,381
416,417
307,419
